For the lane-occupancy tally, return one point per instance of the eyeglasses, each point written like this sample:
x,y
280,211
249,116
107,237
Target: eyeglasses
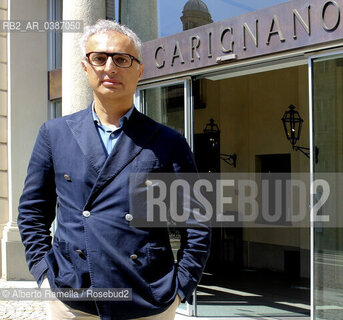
x,y
121,60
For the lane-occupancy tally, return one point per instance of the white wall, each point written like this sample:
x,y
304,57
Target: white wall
x,y
27,99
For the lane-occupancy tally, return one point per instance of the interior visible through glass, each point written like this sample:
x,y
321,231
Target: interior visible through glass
x,y
328,137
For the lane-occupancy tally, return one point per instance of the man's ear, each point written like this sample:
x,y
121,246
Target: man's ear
x,y
141,71
84,65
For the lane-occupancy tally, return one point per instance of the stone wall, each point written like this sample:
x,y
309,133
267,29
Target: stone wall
x,y
3,125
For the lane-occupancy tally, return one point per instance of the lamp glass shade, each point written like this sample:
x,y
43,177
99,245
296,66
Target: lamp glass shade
x,y
292,123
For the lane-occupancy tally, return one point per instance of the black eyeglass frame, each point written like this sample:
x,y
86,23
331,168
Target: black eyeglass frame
x,y
112,55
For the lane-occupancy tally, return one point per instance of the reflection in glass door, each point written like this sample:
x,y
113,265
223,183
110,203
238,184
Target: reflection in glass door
x,y
170,104
166,105
327,104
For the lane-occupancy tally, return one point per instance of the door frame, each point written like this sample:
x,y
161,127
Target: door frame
x,y
311,58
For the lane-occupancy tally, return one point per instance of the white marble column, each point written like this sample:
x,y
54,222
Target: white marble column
x,y
27,104
26,111
3,127
141,17
76,92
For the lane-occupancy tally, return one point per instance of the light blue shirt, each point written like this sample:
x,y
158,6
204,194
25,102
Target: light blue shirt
x,y
110,135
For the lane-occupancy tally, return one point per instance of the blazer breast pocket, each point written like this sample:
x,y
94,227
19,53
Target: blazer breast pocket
x,y
147,165
144,175
143,170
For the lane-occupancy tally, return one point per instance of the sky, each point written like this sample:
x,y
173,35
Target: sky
x,y
170,11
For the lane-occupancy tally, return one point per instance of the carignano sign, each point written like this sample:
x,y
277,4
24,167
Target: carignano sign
x,y
291,25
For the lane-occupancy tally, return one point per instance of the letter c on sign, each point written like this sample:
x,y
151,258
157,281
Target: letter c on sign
x,y
159,65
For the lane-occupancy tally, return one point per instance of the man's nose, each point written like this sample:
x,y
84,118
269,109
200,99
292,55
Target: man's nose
x,y
110,65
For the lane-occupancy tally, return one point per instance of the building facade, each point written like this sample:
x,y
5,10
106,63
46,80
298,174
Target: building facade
x,y
3,119
241,64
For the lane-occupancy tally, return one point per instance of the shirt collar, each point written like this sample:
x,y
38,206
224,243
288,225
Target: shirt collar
x,y
124,118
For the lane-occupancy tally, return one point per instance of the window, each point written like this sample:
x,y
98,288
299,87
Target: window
x,y
55,8
169,17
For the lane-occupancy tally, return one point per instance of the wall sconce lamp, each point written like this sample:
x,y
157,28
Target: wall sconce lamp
x,y
292,123
213,133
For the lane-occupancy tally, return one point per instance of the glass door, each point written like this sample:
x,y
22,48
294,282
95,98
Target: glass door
x,y
326,91
170,103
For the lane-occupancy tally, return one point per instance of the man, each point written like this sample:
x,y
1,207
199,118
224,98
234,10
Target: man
x,y
84,161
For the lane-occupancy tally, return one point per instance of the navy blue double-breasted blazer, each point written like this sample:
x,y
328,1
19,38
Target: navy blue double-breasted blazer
x,y
95,245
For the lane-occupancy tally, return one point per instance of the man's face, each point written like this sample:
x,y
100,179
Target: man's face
x,y
110,81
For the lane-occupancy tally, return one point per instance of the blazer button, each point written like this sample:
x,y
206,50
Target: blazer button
x,y
148,183
67,177
133,256
81,254
86,214
128,217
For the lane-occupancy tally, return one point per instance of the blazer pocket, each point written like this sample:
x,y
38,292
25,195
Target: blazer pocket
x,y
153,262
145,170
147,165
161,262
140,179
63,248
61,270
63,257
162,270
140,173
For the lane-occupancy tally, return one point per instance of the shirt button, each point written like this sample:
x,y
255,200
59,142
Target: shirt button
x,y
128,217
112,135
133,256
148,183
86,214
67,177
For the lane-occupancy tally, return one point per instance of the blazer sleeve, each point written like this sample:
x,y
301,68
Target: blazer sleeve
x,y
37,205
195,236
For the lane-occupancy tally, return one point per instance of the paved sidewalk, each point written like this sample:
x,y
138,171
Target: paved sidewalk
x,y
23,310
35,310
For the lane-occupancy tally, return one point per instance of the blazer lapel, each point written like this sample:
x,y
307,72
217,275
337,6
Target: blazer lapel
x,y
87,137
137,132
